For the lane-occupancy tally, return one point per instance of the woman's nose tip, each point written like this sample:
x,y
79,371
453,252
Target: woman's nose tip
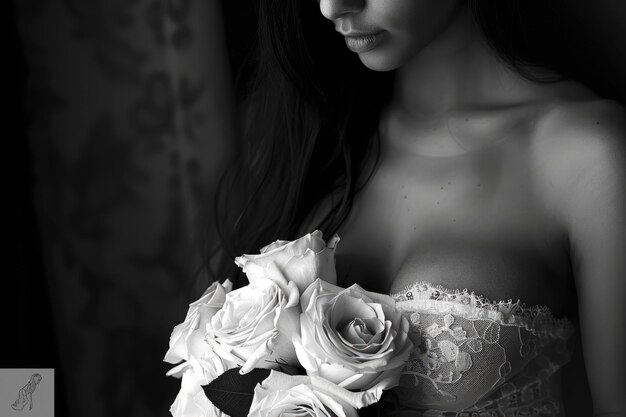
x,y
333,9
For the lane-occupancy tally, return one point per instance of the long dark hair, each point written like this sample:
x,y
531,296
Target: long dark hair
x,y
309,117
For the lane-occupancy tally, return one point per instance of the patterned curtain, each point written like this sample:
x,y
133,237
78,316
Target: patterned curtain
x,y
129,119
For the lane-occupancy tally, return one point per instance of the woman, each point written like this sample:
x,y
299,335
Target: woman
x,y
449,145
25,395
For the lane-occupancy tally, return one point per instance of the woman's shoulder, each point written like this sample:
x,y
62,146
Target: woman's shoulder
x,y
573,134
579,151
592,120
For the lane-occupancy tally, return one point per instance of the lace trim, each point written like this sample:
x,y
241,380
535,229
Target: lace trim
x,y
424,295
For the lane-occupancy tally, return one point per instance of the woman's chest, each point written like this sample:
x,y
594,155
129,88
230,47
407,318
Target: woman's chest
x,y
476,222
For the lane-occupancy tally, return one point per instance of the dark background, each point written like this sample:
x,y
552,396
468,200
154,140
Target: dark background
x,y
29,339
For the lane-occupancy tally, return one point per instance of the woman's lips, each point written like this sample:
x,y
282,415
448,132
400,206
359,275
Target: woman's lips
x,y
362,42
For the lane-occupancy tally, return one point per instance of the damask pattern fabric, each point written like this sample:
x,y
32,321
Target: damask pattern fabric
x,y
129,120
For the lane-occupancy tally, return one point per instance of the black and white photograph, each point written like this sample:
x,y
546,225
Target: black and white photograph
x,y
322,208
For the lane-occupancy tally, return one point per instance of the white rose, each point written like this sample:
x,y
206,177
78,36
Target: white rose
x,y
255,326
200,363
191,400
187,338
354,338
281,395
301,261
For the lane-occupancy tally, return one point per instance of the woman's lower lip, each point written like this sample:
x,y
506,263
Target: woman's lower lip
x,y
363,43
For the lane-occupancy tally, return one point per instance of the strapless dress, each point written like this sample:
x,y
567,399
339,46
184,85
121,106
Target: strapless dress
x,y
475,357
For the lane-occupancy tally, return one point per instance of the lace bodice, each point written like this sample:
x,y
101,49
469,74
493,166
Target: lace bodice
x,y
475,357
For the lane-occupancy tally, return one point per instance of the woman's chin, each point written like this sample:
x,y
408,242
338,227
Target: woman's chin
x,y
379,62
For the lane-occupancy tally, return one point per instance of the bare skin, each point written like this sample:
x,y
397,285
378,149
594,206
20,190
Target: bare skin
x,y
510,188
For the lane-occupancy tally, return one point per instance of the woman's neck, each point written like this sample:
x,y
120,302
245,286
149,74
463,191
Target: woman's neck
x,y
457,71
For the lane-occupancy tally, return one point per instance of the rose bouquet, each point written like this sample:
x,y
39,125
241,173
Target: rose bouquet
x,y
289,342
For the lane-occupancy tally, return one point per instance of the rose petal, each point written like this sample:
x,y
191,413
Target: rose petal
x,y
284,395
346,308
303,270
364,334
351,339
300,261
191,400
198,315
